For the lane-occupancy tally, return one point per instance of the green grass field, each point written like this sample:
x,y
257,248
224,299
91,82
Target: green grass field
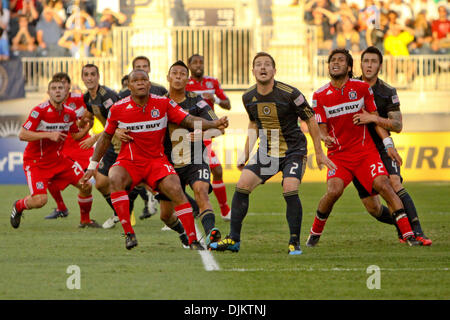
x,y
35,257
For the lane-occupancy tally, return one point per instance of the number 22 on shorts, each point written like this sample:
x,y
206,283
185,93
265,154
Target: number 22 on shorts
x,y
378,166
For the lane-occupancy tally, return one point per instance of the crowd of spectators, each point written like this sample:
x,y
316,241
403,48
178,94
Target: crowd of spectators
x,y
55,28
396,27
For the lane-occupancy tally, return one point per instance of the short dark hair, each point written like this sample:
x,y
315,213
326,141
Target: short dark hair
x,y
124,78
193,56
54,80
61,76
179,63
90,65
140,58
375,50
263,54
348,56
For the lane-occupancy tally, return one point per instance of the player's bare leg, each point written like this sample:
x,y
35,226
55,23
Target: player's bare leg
x,y
382,185
335,188
120,179
410,209
248,181
206,213
170,219
170,186
294,213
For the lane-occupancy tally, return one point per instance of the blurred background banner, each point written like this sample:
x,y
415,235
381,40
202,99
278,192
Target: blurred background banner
x,y
12,84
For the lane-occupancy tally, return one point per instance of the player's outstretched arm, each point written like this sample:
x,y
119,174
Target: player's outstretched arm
x,y
28,135
392,123
100,149
389,144
321,158
190,120
250,141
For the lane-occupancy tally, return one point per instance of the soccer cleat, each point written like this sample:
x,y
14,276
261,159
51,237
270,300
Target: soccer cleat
x,y
15,216
425,241
195,245
110,222
184,240
90,224
225,244
294,249
57,214
313,239
412,242
130,241
213,236
165,228
132,219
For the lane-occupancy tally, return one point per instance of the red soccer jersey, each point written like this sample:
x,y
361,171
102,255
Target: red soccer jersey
x,y
336,107
45,118
72,148
207,85
147,125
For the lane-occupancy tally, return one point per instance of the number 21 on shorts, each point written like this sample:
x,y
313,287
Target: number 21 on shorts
x,y
377,168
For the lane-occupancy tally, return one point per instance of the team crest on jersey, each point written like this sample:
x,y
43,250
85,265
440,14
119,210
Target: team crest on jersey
x,y
332,172
209,85
66,118
266,110
39,185
352,95
155,113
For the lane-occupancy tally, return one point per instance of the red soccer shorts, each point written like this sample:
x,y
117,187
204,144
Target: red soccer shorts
x,y
60,173
213,161
150,172
365,166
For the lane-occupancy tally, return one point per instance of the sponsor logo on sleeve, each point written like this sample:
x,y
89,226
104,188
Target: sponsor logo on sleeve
x,y
34,114
395,99
28,125
201,104
108,103
173,103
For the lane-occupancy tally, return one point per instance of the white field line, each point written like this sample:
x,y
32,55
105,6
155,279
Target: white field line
x,y
329,269
208,260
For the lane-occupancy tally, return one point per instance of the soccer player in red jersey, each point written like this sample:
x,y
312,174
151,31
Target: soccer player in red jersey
x,y
350,145
390,118
71,147
45,130
207,87
142,158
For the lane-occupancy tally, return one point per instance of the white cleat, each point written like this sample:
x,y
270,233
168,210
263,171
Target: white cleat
x,y
227,217
152,204
165,228
111,222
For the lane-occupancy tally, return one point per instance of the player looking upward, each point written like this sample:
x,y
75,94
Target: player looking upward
x,y
390,118
350,146
142,159
273,109
210,90
44,162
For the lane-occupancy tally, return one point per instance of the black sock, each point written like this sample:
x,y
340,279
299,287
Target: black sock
x,y
239,208
177,226
411,211
132,196
108,200
208,220
386,217
294,214
143,193
194,205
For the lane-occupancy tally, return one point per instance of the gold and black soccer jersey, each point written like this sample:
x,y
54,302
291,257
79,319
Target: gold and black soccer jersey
x,y
184,151
387,100
276,115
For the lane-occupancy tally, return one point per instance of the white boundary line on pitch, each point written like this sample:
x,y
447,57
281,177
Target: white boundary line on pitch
x,y
208,260
332,269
